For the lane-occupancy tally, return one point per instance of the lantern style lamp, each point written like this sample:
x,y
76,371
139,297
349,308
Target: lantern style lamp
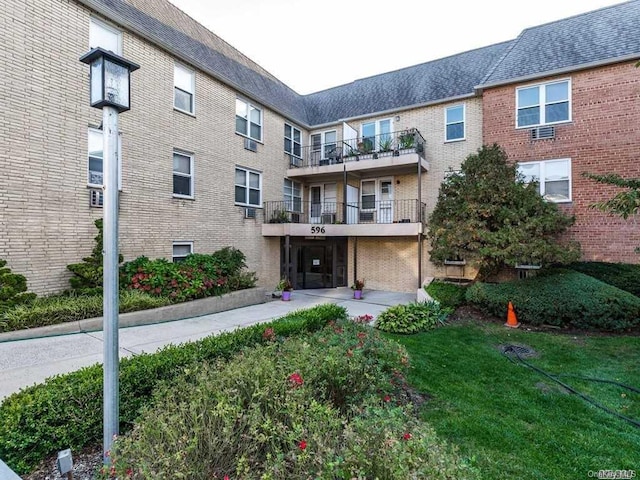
x,y
110,85
110,92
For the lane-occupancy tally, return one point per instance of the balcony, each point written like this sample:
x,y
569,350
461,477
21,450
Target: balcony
x,y
337,219
388,153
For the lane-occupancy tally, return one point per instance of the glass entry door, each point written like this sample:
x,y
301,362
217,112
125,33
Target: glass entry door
x,y
315,266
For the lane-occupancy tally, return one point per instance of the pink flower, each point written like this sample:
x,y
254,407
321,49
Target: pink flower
x,y
226,477
302,445
387,398
406,436
295,379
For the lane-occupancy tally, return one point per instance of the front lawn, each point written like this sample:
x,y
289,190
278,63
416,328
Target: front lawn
x,y
515,422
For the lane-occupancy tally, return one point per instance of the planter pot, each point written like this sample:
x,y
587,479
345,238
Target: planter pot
x,y
357,294
286,296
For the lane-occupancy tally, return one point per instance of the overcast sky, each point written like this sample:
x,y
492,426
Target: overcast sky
x,y
314,45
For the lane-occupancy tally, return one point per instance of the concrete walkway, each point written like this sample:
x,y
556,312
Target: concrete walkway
x,y
25,362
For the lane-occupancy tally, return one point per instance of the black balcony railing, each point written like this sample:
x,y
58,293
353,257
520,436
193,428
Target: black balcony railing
x,y
376,212
364,148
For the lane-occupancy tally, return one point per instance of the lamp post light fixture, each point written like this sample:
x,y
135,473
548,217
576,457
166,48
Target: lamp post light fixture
x,y
110,90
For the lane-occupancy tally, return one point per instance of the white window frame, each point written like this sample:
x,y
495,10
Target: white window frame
x,y
315,157
94,22
542,104
119,153
180,244
377,131
190,175
179,66
290,200
447,123
248,107
247,187
542,181
294,129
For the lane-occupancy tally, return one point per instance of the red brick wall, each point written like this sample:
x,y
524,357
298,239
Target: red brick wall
x,y
603,137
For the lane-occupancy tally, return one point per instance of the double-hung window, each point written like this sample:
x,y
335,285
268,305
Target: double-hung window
x,y
323,145
248,187
553,177
105,36
368,195
95,164
292,196
248,120
454,120
292,140
181,250
182,175
184,87
543,104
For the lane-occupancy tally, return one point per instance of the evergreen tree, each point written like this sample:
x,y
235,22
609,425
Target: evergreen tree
x,y
487,215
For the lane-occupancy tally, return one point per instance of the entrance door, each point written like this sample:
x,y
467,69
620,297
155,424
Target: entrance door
x,y
315,194
317,270
385,215
352,204
317,263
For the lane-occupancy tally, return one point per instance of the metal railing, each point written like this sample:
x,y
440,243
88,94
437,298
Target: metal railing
x,y
367,212
392,144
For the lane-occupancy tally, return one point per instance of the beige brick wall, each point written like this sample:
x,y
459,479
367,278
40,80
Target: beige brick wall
x,y
45,216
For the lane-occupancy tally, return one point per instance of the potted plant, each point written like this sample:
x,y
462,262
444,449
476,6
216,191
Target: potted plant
x,y
407,139
285,287
357,288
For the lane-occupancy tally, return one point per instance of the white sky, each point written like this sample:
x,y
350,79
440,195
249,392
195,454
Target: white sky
x,y
314,45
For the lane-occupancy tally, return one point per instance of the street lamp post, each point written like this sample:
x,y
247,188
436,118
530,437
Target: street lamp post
x,y
110,91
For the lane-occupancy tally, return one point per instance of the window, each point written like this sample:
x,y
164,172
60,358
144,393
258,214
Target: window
x,y
248,187
182,175
292,196
454,123
95,159
184,81
105,36
181,250
323,145
553,177
368,196
543,104
248,120
292,139
375,134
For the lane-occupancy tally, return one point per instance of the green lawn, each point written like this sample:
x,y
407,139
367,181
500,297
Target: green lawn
x,y
516,423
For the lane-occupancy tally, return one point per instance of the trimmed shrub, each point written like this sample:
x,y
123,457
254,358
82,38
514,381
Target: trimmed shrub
x,y
412,317
448,294
60,309
198,276
624,276
13,288
562,298
65,411
272,412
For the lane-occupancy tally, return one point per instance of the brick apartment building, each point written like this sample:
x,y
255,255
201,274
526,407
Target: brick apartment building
x,y
324,187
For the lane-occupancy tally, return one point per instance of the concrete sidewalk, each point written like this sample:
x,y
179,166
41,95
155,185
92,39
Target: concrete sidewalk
x,y
25,362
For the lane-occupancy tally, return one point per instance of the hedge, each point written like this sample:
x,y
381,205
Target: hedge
x,y
562,298
45,311
625,276
448,294
66,410
412,317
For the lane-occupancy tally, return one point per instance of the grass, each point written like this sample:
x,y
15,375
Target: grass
x,y
516,423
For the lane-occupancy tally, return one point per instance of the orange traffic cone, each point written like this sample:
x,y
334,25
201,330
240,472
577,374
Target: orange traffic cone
x,y
512,321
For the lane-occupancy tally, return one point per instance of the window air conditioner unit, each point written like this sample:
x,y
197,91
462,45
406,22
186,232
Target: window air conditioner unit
x,y
329,218
542,133
96,198
249,213
250,145
366,216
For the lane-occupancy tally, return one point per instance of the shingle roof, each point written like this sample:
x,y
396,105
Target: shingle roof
x,y
604,34
597,36
441,79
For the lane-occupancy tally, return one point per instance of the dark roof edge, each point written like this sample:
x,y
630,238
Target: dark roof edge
x,y
558,71
114,16
395,110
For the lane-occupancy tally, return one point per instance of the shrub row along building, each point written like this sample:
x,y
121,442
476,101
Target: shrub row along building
x,y
326,187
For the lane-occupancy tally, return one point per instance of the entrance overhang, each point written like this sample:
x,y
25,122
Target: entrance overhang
x,y
341,230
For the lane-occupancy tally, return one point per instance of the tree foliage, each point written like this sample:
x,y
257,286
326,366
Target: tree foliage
x,y
624,203
487,215
13,288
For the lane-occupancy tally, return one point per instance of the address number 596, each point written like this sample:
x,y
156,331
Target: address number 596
x,y
315,230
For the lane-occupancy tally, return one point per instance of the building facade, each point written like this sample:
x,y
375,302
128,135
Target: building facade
x,y
323,188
